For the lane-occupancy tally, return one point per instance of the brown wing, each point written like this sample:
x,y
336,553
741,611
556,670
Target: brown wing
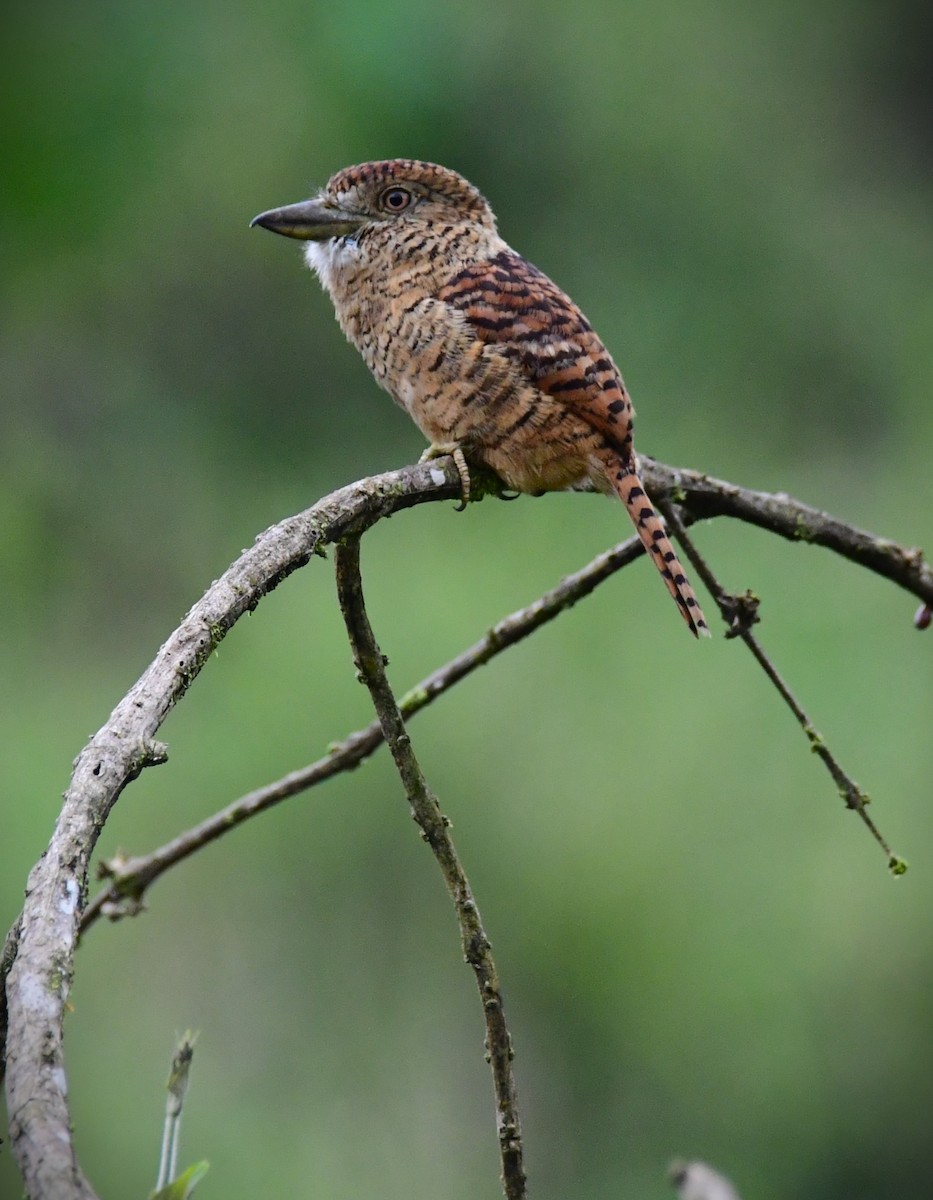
x,y
512,304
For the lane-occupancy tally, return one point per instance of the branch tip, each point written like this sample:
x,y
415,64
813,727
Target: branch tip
x,y
740,613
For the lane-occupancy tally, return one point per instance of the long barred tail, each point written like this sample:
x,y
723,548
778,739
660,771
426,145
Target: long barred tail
x,y
650,528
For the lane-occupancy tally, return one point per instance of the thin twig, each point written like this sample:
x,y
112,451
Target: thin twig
x,y
178,1080
130,878
740,613
434,828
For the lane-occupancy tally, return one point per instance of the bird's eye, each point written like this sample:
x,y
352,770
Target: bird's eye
x,y
395,199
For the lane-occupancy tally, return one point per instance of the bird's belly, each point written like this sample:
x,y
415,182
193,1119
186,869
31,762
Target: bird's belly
x,y
536,466
462,392
529,440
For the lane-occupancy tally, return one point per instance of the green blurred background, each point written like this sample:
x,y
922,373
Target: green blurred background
x,y
702,952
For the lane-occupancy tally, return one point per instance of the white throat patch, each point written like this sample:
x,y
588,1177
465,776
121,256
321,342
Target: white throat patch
x,y
325,258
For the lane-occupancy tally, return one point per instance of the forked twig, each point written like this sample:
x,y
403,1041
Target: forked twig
x,y
740,613
434,828
129,878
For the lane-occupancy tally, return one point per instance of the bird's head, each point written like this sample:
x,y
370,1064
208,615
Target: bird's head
x,y
378,198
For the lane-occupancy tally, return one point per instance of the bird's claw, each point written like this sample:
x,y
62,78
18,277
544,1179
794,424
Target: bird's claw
x,y
460,462
465,482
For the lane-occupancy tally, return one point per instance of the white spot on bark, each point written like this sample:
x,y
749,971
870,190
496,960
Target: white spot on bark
x,y
69,901
438,476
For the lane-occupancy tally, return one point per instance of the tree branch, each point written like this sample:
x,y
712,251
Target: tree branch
x,y
702,496
39,976
434,828
129,878
699,496
37,962
740,613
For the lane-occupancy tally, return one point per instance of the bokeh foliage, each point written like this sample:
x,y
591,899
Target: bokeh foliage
x,y
702,953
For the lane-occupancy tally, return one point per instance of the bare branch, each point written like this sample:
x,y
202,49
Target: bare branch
x,y
740,613
39,977
700,496
37,961
434,828
131,877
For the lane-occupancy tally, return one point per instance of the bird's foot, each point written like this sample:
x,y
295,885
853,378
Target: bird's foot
x,y
476,481
441,450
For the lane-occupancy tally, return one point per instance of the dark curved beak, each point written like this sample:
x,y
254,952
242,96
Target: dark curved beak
x,y
309,221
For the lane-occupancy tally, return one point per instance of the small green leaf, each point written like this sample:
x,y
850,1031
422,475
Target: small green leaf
x,y
182,1187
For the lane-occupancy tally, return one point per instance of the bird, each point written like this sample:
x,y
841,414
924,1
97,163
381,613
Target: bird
x,y
495,364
